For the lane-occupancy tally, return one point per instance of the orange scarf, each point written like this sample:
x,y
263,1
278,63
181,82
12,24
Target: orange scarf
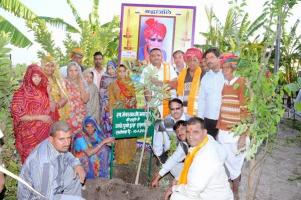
x,y
194,89
165,80
188,161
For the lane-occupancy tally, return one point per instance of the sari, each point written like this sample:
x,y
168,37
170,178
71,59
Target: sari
x,y
57,90
30,99
98,164
122,95
92,106
105,81
77,105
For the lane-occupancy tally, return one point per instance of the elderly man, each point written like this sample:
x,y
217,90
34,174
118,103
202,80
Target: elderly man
x,y
233,111
161,137
203,176
174,164
51,169
162,73
189,81
210,94
76,55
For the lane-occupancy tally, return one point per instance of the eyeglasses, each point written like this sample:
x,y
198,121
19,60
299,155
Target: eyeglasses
x,y
178,108
154,39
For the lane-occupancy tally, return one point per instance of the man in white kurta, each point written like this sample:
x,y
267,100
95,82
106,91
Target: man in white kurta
x,y
162,72
206,177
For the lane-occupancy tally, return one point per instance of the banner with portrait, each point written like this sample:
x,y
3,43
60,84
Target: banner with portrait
x,y
144,27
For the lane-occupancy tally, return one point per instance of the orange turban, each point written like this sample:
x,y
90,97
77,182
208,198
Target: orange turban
x,y
191,52
76,51
154,27
229,58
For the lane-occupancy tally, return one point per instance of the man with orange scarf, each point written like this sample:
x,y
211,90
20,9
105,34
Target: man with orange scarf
x,y
159,73
203,176
189,81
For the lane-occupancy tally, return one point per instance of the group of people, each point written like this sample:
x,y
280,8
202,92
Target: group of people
x,y
63,123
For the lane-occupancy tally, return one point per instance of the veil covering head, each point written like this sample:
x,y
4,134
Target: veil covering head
x,y
80,73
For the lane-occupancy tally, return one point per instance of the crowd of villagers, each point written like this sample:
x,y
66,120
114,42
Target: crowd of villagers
x,y
84,97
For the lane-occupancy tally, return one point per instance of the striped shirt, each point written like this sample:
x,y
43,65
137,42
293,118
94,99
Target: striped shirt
x,y
233,107
43,170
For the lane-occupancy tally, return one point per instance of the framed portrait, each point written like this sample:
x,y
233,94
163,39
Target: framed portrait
x,y
144,27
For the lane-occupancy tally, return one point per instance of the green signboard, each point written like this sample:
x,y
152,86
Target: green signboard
x,y
129,123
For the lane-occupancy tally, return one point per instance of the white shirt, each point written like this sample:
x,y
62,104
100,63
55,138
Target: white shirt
x,y
176,158
97,76
161,142
210,95
63,71
159,74
206,179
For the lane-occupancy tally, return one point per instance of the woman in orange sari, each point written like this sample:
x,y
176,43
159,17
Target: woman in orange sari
x,y
31,111
122,95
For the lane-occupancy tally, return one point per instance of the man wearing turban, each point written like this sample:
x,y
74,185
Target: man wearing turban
x,y
76,55
154,34
189,81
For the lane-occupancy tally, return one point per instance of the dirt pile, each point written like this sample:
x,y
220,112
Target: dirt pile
x,y
115,189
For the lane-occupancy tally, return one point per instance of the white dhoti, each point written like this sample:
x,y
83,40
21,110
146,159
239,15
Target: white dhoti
x,y
234,160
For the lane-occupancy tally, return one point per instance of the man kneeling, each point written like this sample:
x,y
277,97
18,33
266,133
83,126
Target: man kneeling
x,y
203,176
51,169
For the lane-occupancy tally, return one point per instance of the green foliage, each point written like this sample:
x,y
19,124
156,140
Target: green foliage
x,y
7,86
294,87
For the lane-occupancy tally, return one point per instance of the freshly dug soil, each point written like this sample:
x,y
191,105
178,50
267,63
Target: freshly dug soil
x,y
115,189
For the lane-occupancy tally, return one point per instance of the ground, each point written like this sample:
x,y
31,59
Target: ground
x,y
280,178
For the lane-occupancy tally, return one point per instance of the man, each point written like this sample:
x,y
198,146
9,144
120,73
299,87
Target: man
x,y
233,111
161,141
203,176
174,164
210,94
98,70
163,73
189,81
154,34
76,55
51,169
178,60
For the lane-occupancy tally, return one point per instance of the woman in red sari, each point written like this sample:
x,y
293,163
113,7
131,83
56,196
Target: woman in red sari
x,y
31,111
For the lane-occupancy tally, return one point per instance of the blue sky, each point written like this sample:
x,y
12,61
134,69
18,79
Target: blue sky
x,y
109,8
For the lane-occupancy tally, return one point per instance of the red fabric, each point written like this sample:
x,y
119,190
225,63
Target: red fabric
x,y
229,58
127,93
193,52
30,100
154,27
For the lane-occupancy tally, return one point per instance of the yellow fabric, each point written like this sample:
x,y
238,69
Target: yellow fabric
x,y
194,89
57,87
165,80
188,161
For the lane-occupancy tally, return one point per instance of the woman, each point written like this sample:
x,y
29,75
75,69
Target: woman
x,y
90,147
106,80
93,103
31,111
78,96
122,95
57,89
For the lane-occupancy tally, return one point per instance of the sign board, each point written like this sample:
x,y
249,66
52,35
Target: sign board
x,y
129,123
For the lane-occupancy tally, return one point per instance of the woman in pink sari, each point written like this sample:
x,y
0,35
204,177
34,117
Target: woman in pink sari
x,y
31,111
78,96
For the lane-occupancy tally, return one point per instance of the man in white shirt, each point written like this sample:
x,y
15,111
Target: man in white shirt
x,y
161,141
210,94
178,61
203,176
97,70
163,73
174,164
